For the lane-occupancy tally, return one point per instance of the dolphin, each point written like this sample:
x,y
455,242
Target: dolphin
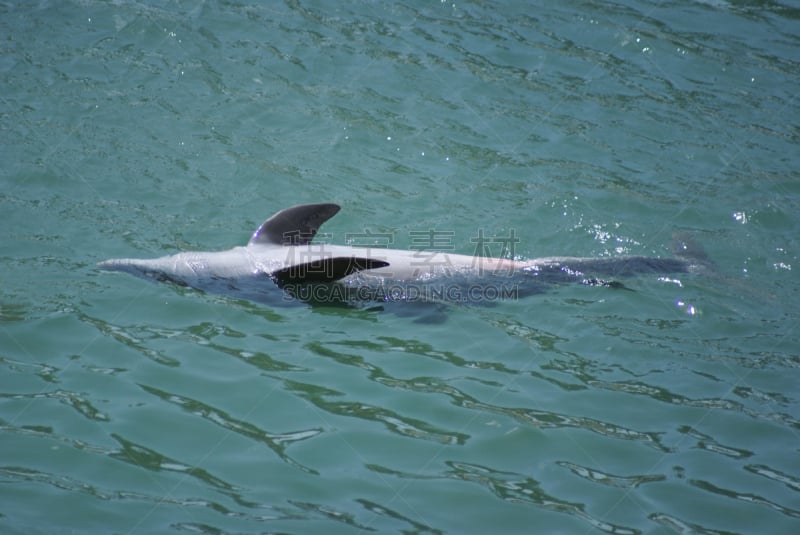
x,y
281,262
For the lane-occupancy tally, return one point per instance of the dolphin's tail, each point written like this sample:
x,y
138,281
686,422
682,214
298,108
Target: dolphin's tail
x,y
687,248
690,257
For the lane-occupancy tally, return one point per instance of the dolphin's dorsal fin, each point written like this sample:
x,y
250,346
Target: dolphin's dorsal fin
x,y
294,226
324,270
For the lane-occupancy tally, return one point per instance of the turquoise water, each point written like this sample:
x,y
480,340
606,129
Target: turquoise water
x,y
143,129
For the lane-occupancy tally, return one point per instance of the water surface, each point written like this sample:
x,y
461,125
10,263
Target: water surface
x,y
142,129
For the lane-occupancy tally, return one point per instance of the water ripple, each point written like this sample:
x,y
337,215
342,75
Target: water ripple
x,y
538,418
579,368
548,419
141,338
150,459
46,432
707,443
409,427
134,338
792,482
675,524
205,332
71,399
277,442
744,497
513,488
597,476
16,474
382,344
535,417
44,371
331,514
381,510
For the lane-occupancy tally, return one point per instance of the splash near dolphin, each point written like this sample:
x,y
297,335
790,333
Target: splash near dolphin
x,y
282,262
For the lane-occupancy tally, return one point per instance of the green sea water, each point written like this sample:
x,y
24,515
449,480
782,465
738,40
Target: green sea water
x,y
140,129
